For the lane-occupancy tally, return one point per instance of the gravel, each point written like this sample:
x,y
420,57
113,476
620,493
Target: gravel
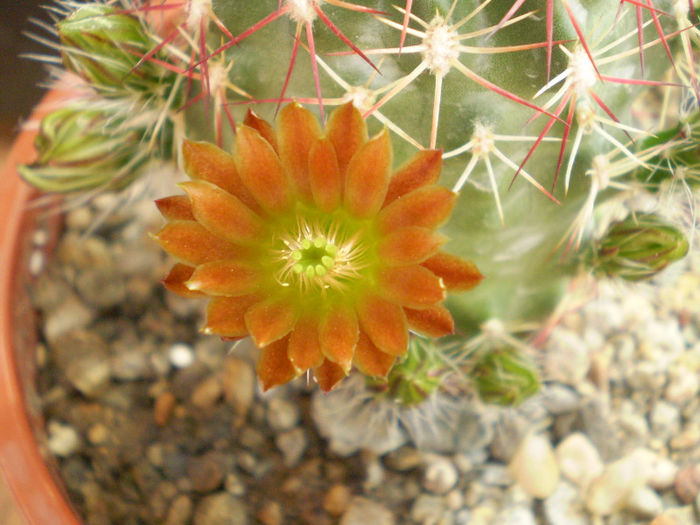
x,y
153,422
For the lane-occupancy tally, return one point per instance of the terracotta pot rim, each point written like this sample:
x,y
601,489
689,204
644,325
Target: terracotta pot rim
x,y
38,497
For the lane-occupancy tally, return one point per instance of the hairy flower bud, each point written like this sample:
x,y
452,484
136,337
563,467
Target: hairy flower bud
x,y
413,379
505,376
104,47
82,149
639,247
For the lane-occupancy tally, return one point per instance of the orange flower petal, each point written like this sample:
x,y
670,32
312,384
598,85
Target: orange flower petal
x,y
367,177
328,375
297,131
324,176
338,332
370,360
347,130
433,321
261,126
261,171
412,286
210,163
420,170
409,245
384,323
223,214
193,244
456,273
175,281
270,320
176,207
274,367
226,315
229,278
428,207
304,347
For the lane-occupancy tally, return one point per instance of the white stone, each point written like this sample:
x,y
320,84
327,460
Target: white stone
x,y
181,355
363,511
534,466
609,492
515,516
564,506
579,459
440,475
658,472
568,358
644,502
63,440
665,420
683,385
282,414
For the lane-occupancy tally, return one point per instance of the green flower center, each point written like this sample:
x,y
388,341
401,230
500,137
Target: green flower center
x,y
314,258
317,251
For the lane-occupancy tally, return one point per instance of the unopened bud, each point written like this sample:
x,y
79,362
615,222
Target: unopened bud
x,y
81,149
105,46
639,247
417,376
505,376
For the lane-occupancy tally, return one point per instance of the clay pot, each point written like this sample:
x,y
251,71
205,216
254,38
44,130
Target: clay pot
x,y
24,458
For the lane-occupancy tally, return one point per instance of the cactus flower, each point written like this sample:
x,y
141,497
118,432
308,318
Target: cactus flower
x,y
305,241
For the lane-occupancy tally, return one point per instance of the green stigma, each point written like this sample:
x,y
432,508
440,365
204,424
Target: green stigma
x,y
314,258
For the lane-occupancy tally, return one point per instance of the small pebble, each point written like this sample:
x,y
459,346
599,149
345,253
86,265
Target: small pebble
x,y
427,509
181,355
163,408
687,483
534,466
454,499
687,439
518,515
440,475
98,434
659,472
683,385
337,499
282,414
88,374
63,440
270,513
565,506
403,459
292,444
579,459
238,381
220,509
207,393
363,511
205,472
665,420
73,315
180,511
234,484
609,492
644,502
